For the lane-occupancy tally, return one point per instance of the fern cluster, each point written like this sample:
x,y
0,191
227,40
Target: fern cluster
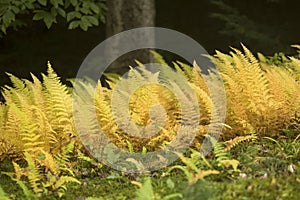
x,y
38,116
261,98
37,126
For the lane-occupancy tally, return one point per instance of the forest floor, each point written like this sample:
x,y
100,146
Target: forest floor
x,y
268,169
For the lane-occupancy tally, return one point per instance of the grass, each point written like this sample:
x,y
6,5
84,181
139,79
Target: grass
x,y
268,169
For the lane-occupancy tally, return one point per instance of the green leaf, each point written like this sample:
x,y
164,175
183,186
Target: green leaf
x,y
49,20
93,20
85,11
54,11
173,196
29,5
40,15
41,156
74,24
43,2
3,194
170,183
8,17
55,3
61,12
3,29
74,2
15,9
84,24
95,8
102,18
67,4
72,15
146,191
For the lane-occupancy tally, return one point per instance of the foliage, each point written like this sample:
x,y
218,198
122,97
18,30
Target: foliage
x,y
235,141
261,98
3,195
78,13
38,134
278,59
198,167
238,24
37,115
265,173
146,191
44,173
38,128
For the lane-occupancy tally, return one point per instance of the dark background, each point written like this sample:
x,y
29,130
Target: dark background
x,y
266,26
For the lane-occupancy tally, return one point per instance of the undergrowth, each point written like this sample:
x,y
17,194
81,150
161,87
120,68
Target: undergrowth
x,y
43,157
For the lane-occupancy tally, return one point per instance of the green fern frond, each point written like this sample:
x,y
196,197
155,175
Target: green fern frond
x,y
33,174
220,153
65,179
27,192
62,158
146,192
3,195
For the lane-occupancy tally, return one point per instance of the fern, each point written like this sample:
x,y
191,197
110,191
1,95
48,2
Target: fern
x,y
42,133
44,173
59,108
27,192
257,97
237,140
146,191
33,174
27,121
3,195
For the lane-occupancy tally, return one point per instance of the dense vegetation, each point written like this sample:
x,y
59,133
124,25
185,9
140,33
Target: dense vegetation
x,y
256,157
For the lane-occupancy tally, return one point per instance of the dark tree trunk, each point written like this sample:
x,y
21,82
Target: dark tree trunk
x,y
125,15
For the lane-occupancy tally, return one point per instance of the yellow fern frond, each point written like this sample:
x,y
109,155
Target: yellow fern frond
x,y
59,108
237,140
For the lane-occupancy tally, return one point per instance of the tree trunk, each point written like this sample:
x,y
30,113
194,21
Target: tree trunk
x,y
124,15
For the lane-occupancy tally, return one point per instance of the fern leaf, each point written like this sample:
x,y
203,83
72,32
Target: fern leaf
x,y
237,140
27,192
3,195
202,174
146,192
65,179
33,174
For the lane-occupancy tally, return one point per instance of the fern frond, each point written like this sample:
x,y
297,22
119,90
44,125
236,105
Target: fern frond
x,y
146,192
46,160
18,170
158,58
219,152
202,174
62,158
59,108
237,140
65,179
33,174
27,192
3,195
